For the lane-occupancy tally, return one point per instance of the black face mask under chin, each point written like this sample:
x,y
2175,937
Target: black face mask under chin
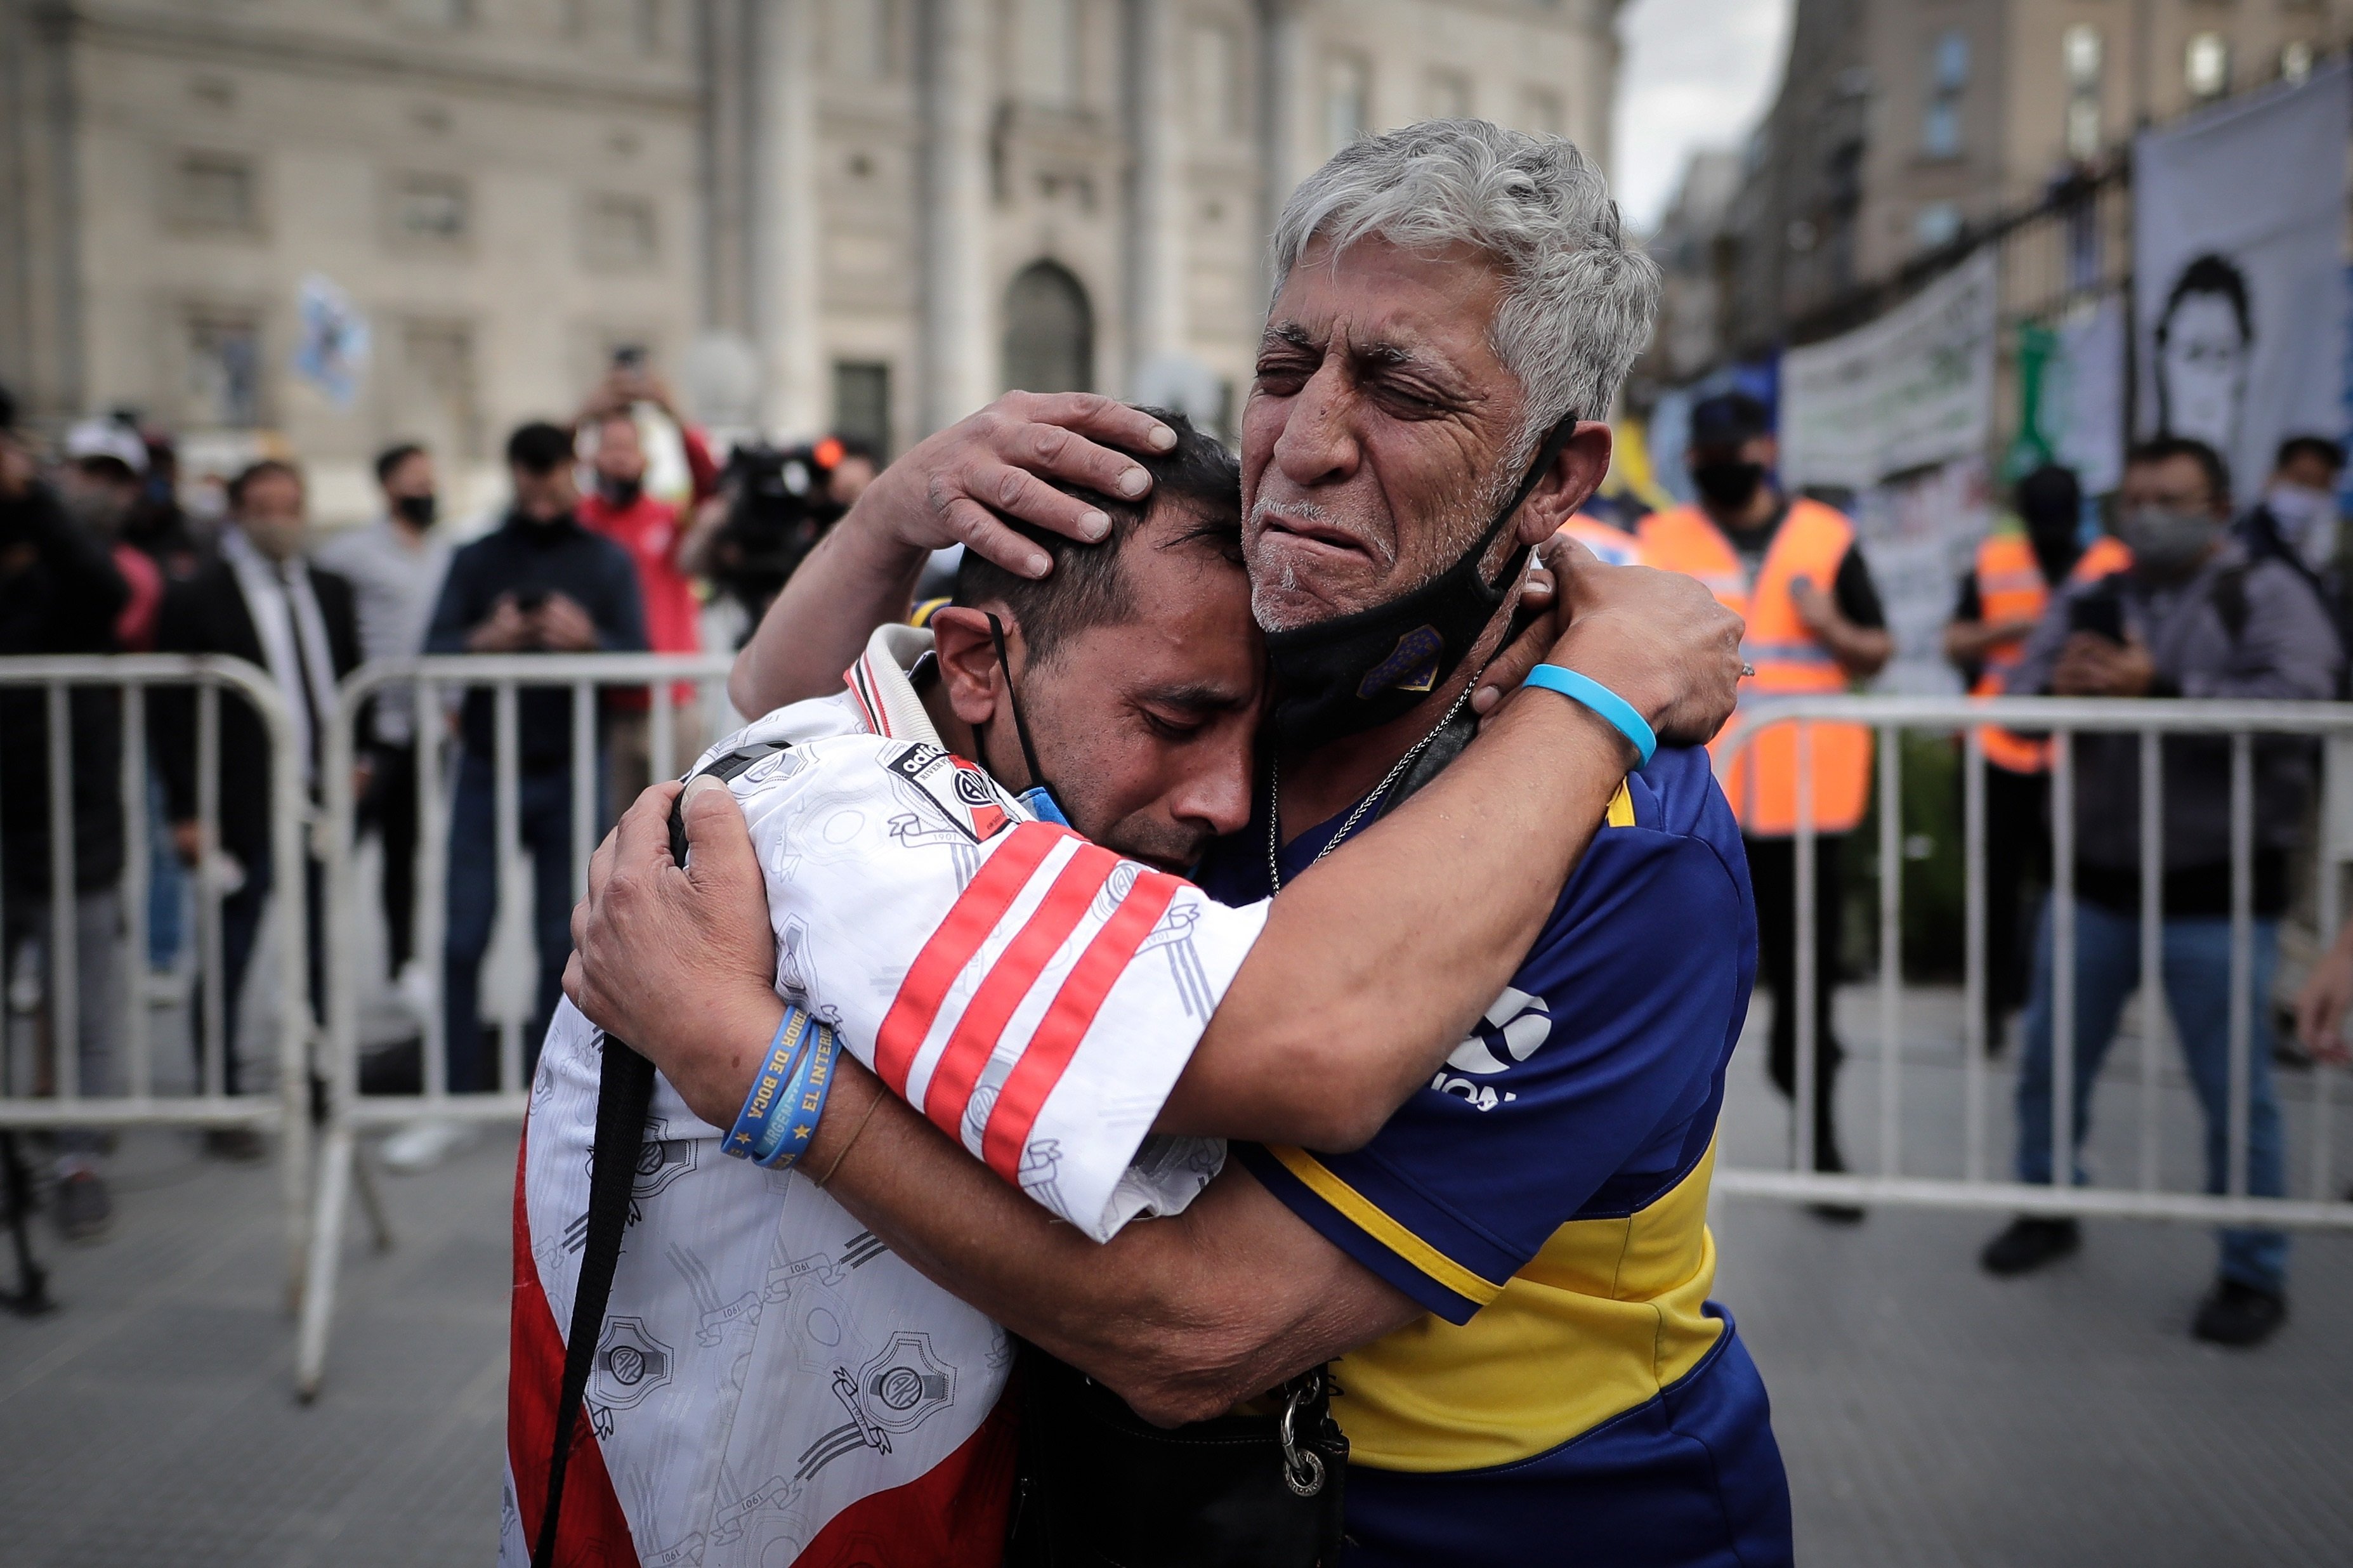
x,y
1359,671
1728,485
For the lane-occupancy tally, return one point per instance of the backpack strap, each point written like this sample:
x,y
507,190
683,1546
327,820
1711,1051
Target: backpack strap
x,y
624,1089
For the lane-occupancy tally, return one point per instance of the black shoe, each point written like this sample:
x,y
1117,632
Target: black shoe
x,y
84,1210
2239,1315
241,1145
2029,1244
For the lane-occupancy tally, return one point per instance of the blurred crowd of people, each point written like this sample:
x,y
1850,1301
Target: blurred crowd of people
x,y
101,552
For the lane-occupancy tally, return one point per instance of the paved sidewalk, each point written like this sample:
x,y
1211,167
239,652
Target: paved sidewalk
x,y
1929,1415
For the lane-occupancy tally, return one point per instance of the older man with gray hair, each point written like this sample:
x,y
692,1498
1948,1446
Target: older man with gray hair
x,y
1509,1283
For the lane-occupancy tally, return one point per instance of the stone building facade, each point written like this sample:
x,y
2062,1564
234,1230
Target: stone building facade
x,y
868,214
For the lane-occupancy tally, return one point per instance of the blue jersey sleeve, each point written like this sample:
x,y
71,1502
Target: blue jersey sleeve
x,y
1591,1085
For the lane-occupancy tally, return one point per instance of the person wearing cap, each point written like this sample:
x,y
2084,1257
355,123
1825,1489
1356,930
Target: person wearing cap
x,y
101,483
1790,567
61,594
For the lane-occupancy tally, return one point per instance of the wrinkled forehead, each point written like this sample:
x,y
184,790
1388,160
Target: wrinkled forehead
x,y
1383,300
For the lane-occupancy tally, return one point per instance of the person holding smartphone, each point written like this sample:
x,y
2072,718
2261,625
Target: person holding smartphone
x,y
2191,616
539,582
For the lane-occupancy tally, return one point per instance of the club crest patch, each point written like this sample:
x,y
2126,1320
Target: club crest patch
x,y
956,790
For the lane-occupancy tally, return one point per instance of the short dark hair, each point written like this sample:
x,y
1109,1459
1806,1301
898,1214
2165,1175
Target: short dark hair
x,y
1087,587
2318,446
2210,274
2165,449
1728,419
254,473
2051,492
392,457
539,447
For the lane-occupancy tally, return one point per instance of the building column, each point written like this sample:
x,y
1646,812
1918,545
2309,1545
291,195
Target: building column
x,y
787,261
1158,192
958,350
1288,104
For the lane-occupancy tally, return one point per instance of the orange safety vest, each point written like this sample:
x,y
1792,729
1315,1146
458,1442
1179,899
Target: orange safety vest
x,y
1763,782
1615,546
2011,588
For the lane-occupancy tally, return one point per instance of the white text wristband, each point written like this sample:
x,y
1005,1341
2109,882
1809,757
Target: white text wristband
x,y
1615,710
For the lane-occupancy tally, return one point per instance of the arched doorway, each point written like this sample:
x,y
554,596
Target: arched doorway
x,y
1049,331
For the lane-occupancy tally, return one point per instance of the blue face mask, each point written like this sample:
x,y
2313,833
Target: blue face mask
x,y
1039,796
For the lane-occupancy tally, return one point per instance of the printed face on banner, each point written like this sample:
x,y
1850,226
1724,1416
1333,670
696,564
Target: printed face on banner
x,y
2205,344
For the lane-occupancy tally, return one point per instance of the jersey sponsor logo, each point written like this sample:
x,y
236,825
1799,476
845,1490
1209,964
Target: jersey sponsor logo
x,y
1514,1026
959,792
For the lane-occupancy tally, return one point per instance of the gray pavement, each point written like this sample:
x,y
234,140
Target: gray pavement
x,y
1929,1415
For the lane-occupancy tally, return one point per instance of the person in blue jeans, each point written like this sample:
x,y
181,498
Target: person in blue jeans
x,y
538,583
2193,617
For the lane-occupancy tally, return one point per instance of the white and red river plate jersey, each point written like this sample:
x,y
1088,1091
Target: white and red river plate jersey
x,y
772,1385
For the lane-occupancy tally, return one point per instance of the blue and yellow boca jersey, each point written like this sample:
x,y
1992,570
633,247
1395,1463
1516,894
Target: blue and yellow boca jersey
x,y
1573,1394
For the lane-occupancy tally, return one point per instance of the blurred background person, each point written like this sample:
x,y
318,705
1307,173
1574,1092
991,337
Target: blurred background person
x,y
258,600
394,566
539,582
61,593
2297,520
2002,596
102,482
1815,624
649,531
777,503
2192,616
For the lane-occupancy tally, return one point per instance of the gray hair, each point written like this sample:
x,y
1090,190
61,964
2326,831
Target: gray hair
x,y
1578,302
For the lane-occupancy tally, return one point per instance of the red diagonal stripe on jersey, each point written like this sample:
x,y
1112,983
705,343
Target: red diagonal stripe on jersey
x,y
969,920
1008,980
1066,1023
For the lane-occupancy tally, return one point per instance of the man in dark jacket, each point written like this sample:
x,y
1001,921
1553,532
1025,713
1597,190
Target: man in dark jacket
x,y
260,601
539,582
59,594
2192,618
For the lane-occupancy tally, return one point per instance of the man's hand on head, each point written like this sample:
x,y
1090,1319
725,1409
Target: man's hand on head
x,y
681,962
958,486
1659,639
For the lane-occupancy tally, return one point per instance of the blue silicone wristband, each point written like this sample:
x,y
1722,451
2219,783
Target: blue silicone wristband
x,y
1619,713
803,1102
753,1123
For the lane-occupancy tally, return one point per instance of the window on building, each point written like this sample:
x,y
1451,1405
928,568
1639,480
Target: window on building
x,y
213,192
1047,42
1347,100
1540,113
1948,80
1049,334
1447,96
222,387
859,36
430,209
617,232
1936,225
2206,65
432,392
1217,79
861,404
2295,61
2082,49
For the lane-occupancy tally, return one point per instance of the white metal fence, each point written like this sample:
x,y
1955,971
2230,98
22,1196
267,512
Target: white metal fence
x,y
1896,1179
674,734
144,1096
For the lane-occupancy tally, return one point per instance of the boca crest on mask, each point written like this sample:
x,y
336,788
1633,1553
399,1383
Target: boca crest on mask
x,y
1359,671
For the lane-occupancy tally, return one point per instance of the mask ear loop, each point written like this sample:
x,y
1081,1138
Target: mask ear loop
x,y
1020,728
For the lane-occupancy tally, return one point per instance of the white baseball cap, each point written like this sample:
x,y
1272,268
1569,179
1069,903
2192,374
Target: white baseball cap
x,y
107,438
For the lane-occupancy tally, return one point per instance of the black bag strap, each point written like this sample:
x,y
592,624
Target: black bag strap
x,y
624,1092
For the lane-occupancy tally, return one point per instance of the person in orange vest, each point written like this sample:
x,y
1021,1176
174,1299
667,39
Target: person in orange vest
x,y
2001,597
1815,624
1614,545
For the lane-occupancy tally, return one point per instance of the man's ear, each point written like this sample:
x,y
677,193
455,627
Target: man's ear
x,y
1576,473
969,665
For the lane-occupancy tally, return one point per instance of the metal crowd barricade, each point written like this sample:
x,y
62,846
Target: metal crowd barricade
x,y
282,1109
432,680
2062,718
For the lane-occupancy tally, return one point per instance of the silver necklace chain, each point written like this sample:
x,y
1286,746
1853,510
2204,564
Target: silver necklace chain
x,y
1274,794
